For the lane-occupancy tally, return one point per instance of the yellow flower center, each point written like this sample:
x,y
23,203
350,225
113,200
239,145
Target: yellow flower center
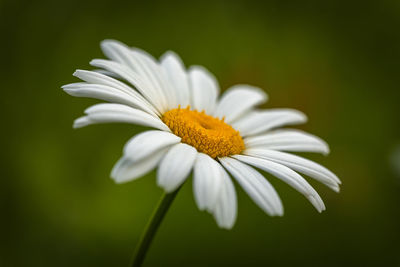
x,y
207,134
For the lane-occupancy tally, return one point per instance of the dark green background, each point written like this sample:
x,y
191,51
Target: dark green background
x,y
338,61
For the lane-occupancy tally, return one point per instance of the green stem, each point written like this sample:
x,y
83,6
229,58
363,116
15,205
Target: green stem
x,y
151,228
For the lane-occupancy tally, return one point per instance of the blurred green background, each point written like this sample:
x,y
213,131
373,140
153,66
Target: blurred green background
x,y
338,61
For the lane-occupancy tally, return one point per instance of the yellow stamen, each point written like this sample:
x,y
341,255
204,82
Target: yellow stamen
x,y
207,134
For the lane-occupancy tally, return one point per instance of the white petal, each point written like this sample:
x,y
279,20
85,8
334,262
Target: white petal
x,y
176,73
109,113
108,73
237,100
299,164
204,89
257,122
207,181
225,210
119,52
256,186
106,93
151,93
288,140
99,78
126,170
146,143
155,75
288,176
176,166
82,122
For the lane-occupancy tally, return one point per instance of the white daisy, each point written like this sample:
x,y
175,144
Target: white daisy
x,y
196,130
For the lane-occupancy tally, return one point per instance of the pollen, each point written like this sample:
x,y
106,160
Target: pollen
x,y
207,134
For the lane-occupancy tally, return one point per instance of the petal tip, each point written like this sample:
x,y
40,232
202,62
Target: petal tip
x,y
120,180
336,189
280,213
68,90
226,226
78,73
169,54
108,42
81,122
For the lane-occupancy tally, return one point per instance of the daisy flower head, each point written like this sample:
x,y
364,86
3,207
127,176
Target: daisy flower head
x,y
216,138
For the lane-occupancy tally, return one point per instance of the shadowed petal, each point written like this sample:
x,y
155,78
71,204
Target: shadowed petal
x,y
146,143
288,176
225,210
299,164
255,185
175,166
207,182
